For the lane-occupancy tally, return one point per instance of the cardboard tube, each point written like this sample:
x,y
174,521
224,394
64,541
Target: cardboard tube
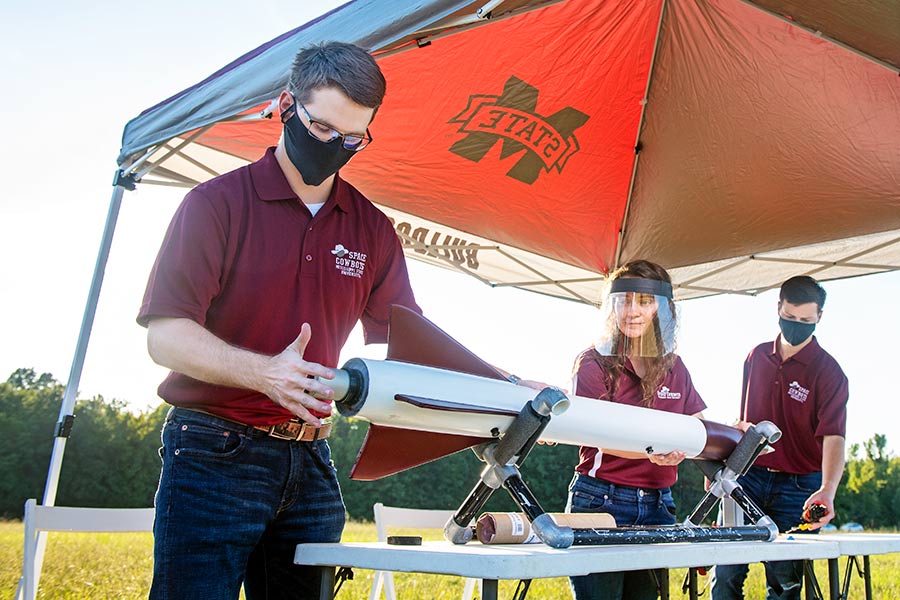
x,y
514,528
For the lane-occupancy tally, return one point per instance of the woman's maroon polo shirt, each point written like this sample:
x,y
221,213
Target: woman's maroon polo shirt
x,y
676,394
244,258
805,396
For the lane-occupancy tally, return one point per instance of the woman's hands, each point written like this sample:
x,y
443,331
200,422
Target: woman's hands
x,y
667,460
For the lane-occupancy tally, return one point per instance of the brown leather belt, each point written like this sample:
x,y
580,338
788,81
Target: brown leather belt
x,y
294,430
297,431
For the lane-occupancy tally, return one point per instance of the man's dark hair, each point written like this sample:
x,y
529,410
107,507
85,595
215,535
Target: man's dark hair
x,y
336,64
802,289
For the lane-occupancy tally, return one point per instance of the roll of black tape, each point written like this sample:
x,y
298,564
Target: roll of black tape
x,y
404,540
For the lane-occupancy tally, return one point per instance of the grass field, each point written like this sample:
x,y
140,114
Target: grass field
x,y
117,566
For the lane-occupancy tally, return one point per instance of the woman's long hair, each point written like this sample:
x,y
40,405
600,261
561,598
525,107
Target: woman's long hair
x,y
657,366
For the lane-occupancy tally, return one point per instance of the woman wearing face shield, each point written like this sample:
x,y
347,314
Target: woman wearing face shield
x,y
633,362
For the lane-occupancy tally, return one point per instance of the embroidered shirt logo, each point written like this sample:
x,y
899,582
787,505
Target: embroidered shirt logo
x,y
511,118
798,392
665,394
349,263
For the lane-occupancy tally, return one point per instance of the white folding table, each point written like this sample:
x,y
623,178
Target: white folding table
x,y
492,563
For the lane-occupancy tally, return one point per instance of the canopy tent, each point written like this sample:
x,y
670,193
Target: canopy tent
x,y
540,144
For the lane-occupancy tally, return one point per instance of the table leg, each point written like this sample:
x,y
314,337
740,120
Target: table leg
x,y
807,584
811,583
692,584
326,586
663,584
811,589
489,589
834,576
867,577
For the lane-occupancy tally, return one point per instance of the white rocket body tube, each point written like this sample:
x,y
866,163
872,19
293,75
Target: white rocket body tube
x,y
586,422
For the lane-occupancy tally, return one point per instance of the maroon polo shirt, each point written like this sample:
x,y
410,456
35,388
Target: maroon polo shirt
x,y
675,394
805,396
244,258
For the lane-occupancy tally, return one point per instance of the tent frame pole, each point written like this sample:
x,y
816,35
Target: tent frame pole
x,y
121,182
620,241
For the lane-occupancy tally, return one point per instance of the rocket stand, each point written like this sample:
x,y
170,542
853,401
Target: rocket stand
x,y
723,480
502,459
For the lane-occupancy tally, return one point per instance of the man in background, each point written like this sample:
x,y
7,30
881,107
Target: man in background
x,y
799,387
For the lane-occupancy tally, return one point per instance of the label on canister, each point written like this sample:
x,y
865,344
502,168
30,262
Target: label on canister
x,y
514,528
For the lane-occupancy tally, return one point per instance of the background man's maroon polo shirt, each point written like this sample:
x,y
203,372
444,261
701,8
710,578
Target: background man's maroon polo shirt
x,y
805,396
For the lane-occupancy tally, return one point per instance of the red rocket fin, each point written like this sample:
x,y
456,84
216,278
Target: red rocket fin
x,y
414,339
389,450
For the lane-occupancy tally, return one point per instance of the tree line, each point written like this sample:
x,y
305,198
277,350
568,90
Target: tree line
x,y
112,460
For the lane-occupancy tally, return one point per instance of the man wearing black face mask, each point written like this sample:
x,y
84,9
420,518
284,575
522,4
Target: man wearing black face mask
x,y
798,386
253,258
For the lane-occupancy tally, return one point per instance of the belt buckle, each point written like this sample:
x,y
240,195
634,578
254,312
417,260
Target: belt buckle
x,y
297,431
289,430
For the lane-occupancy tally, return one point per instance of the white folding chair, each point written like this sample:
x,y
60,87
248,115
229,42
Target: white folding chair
x,y
66,518
420,518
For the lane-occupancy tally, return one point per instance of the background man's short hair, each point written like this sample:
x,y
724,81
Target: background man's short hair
x,y
337,64
802,289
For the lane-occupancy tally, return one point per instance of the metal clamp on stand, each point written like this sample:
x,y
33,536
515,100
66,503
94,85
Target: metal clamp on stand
x,y
724,485
501,459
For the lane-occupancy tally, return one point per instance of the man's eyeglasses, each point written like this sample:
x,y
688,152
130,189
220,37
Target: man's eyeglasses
x,y
325,133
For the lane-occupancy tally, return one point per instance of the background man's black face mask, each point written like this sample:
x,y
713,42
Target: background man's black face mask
x,y
316,161
795,332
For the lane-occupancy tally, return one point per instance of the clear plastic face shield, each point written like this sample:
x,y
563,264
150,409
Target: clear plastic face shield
x,y
638,319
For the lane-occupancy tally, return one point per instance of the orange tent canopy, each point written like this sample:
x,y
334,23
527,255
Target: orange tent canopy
x,y
736,143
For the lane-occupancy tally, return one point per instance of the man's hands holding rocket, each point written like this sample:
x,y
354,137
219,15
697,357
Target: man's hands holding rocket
x,y
290,381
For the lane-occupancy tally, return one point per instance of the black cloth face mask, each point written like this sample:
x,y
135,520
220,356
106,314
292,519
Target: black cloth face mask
x,y
316,161
795,332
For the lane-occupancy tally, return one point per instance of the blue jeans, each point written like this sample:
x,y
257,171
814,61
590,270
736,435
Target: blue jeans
x,y
232,504
781,496
629,506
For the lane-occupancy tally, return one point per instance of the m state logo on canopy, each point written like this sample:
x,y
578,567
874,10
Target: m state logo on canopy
x,y
549,141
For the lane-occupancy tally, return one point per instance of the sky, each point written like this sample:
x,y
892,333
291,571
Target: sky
x,y
76,73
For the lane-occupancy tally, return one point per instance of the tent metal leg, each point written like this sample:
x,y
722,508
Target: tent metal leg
x,y
64,424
